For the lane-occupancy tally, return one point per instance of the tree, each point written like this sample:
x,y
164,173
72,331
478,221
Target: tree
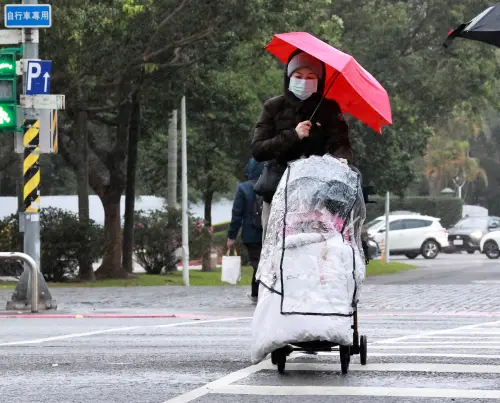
x,y
159,38
401,45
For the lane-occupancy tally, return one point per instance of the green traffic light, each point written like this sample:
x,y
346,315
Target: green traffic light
x,y
7,117
8,64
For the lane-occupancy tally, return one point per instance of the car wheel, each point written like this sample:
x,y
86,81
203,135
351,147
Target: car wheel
x,y
430,249
491,250
413,255
471,251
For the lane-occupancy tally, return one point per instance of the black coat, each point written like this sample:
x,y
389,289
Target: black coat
x,y
275,137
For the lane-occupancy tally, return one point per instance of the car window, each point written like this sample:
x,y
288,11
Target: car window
x,y
396,225
472,222
412,224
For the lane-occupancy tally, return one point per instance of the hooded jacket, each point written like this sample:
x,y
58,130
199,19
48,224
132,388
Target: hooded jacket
x,y
275,137
243,206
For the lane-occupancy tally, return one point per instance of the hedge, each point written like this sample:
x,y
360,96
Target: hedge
x,y
63,237
446,208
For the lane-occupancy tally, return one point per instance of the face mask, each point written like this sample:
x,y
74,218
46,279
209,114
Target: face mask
x,y
303,89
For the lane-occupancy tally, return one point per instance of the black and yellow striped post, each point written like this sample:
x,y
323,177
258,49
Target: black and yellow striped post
x,y
31,169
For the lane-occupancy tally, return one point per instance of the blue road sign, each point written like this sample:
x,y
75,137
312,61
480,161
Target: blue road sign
x,y
38,77
28,16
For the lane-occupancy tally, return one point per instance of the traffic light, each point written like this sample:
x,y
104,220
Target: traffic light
x,y
8,93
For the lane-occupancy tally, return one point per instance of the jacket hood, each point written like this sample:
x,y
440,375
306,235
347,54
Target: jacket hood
x,y
315,98
254,169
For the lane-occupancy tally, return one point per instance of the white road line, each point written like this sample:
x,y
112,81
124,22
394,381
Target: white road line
x,y
433,354
492,343
219,383
440,346
354,391
223,385
434,332
117,330
418,354
399,367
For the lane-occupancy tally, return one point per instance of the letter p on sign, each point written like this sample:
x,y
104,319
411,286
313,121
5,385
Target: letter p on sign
x,y
38,77
34,71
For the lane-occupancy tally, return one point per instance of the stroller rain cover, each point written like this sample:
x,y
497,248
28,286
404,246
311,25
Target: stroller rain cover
x,y
312,264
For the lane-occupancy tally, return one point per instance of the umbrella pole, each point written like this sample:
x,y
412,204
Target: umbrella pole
x,y
324,95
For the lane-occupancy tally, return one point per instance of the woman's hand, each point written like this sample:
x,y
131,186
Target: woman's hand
x,y
303,128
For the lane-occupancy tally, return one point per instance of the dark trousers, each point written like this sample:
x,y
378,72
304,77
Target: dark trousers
x,y
254,250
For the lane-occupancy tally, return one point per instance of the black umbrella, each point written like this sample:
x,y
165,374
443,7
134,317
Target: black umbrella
x,y
485,28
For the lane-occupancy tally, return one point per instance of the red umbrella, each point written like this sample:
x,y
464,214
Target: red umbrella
x,y
357,91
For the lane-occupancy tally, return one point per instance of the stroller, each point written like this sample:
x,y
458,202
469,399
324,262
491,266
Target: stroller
x,y
312,265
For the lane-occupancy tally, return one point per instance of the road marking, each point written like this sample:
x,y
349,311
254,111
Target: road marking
x,y
434,333
399,367
116,330
354,391
226,385
436,354
219,383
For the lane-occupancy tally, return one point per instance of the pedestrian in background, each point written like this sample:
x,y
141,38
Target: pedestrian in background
x,y
247,215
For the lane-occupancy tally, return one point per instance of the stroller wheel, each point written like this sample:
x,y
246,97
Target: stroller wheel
x,y
363,350
273,358
345,358
280,358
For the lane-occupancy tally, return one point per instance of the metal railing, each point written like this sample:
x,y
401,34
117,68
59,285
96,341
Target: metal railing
x,y
34,274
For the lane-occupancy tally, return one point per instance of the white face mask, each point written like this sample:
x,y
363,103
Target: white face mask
x,y
301,88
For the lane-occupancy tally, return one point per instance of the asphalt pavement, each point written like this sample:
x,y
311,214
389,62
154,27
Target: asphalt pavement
x,y
434,336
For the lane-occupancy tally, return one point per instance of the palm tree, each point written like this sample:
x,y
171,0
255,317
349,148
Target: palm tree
x,y
464,169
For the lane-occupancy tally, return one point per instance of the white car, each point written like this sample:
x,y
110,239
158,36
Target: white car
x,y
489,244
411,235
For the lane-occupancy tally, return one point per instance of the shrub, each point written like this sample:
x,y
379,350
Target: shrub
x,y
157,236
10,241
64,238
200,238
448,209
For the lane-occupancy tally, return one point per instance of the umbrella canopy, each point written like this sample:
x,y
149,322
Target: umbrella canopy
x,y
484,28
357,91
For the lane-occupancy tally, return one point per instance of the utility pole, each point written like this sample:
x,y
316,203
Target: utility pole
x,y
185,229
172,161
29,17
387,225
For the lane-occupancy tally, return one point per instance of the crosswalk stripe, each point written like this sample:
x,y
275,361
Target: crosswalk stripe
x,y
355,391
400,367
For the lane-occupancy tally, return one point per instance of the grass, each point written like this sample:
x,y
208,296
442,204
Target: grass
x,y
199,278
378,267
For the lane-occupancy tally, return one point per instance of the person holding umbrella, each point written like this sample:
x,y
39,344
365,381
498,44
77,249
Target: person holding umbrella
x,y
285,130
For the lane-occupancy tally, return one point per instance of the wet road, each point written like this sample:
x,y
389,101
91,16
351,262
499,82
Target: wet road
x,y
428,342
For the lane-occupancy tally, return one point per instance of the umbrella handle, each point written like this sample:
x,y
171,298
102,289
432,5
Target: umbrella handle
x,y
324,95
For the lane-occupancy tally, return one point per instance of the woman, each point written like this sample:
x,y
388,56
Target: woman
x,y
285,130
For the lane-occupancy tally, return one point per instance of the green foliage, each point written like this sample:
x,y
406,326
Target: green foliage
x,y
9,242
448,209
156,240
64,239
401,46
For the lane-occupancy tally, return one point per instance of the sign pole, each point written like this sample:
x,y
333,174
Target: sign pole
x,y
29,220
387,225
185,229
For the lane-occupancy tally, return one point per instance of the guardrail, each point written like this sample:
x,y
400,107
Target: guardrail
x,y
34,274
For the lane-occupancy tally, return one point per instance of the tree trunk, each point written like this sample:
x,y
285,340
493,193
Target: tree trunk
x,y
172,161
208,198
133,140
112,262
86,272
206,258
